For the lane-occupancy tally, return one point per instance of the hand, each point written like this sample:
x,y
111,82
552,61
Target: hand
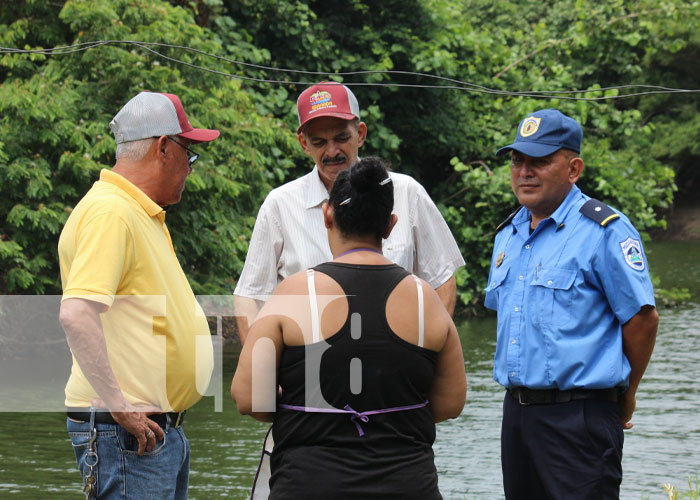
x,y
135,420
628,403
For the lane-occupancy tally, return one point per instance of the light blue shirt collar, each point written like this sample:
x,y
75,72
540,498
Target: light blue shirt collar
x,y
521,222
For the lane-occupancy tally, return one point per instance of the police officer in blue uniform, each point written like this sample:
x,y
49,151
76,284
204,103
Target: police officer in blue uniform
x,y
576,322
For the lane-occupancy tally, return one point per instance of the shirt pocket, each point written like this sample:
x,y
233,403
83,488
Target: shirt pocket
x,y
495,287
553,294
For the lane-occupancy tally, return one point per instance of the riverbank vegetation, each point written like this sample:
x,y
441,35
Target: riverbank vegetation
x,y
55,109
692,493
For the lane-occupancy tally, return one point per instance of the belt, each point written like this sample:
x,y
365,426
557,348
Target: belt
x,y
526,396
104,417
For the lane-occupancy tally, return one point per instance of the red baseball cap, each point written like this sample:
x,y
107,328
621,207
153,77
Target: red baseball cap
x,y
326,99
152,114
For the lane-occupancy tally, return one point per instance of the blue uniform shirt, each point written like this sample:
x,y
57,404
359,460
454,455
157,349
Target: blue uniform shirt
x,y
562,294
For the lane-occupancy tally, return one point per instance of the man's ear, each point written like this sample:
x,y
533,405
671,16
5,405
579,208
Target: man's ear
x,y
304,143
575,169
327,215
159,147
361,133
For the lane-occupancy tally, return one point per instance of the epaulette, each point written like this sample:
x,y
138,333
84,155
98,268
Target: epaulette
x,y
599,212
507,221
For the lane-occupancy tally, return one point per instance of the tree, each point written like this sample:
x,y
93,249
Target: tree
x,y
445,137
57,108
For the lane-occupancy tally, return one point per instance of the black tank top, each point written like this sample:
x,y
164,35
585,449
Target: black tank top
x,y
318,455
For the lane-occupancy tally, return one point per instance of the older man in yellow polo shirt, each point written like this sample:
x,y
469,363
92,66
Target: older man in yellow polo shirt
x,y
140,342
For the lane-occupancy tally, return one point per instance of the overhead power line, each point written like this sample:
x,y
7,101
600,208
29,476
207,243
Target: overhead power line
x,y
449,83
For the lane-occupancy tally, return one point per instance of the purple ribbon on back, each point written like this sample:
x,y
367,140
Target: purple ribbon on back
x,y
355,416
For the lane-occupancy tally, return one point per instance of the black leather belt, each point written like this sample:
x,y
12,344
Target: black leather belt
x,y
526,396
104,417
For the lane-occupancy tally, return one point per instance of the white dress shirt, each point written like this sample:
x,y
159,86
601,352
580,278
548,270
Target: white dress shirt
x,y
290,235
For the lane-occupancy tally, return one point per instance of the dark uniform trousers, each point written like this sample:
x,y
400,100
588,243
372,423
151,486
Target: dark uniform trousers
x,y
561,451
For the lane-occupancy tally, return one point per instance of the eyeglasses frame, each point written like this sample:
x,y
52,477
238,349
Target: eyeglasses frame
x,y
191,155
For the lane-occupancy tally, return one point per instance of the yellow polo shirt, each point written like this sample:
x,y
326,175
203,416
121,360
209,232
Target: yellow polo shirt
x,y
115,249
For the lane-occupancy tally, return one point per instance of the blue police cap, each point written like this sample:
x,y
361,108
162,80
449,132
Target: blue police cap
x,y
544,132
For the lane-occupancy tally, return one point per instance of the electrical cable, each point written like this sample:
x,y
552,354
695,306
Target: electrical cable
x,y
454,83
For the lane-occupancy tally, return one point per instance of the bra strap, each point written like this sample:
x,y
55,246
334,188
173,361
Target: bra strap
x,y
421,318
315,326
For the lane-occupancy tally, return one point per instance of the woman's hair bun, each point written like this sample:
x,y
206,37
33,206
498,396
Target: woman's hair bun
x,y
362,197
366,175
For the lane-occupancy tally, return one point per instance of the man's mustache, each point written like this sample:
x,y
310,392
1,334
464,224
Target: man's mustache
x,y
339,158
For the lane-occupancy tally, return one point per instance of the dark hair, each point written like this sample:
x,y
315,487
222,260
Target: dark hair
x,y
362,198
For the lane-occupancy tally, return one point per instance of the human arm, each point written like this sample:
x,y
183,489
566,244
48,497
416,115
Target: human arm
x,y
246,309
449,390
80,320
448,294
259,275
638,339
254,385
629,291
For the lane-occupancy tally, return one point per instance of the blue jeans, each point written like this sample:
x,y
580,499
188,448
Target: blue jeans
x,y
161,474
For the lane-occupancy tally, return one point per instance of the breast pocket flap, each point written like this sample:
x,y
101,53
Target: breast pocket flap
x,y
498,277
558,279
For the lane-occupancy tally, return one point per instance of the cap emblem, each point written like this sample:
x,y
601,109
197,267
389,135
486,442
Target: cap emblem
x,y
320,99
529,126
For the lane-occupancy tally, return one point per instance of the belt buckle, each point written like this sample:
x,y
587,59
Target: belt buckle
x,y
520,399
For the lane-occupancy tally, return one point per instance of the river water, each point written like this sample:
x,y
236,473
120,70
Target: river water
x,y
37,462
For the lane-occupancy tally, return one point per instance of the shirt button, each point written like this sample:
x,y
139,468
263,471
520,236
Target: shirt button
x,y
516,309
513,341
512,374
521,277
549,282
527,247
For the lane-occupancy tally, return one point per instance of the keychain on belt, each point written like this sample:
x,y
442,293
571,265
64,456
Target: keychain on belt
x,y
91,459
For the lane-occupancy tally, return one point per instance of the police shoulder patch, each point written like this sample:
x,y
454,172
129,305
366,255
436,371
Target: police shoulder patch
x,y
632,252
508,219
599,212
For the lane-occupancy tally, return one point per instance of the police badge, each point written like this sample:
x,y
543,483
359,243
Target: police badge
x,y
632,251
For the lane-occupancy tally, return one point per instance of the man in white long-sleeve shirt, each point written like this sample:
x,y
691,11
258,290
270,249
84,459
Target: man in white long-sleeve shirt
x,y
290,235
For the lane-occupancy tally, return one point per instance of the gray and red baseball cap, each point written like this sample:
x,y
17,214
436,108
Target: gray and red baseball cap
x,y
152,114
544,132
326,99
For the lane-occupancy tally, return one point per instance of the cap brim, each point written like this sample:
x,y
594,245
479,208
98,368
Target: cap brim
x,y
533,149
344,116
200,135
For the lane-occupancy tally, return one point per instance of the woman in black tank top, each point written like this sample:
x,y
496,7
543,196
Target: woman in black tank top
x,y
366,359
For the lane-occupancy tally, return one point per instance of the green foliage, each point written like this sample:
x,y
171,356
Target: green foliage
x,y
573,44
440,136
692,493
479,197
669,297
54,110
57,110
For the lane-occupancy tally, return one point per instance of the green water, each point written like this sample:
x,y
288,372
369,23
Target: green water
x,y
37,462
